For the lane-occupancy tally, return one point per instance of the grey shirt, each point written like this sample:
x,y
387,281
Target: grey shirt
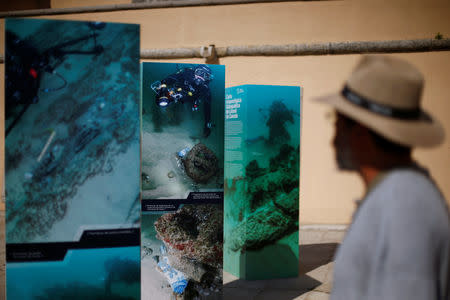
x,y
398,246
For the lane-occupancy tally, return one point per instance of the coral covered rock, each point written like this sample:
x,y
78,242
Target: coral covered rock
x,y
253,170
287,158
265,225
273,196
194,232
201,163
288,203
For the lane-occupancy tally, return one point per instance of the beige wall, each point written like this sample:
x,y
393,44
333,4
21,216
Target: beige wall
x,y
326,195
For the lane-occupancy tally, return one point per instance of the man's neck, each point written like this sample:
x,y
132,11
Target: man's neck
x,y
370,172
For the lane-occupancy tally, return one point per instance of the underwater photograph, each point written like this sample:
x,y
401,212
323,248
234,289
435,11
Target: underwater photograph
x,y
182,129
88,274
181,253
72,122
262,163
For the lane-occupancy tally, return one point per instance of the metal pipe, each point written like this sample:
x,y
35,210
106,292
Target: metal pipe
x,y
133,6
334,48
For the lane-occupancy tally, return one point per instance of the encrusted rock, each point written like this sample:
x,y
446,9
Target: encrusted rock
x,y
288,203
194,232
253,170
265,225
273,195
201,163
191,268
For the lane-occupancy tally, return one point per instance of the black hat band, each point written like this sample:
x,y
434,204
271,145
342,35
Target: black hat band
x,y
396,113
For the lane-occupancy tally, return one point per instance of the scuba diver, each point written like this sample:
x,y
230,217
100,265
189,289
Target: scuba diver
x,y
25,65
189,85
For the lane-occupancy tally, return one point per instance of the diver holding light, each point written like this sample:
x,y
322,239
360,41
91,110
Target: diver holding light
x,y
187,85
25,66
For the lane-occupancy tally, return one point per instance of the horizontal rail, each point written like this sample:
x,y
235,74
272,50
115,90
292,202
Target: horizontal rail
x,y
333,48
422,45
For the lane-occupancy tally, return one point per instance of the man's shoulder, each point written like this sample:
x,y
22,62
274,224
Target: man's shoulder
x,y
407,184
407,193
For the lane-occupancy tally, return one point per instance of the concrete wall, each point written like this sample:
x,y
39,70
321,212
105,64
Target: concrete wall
x,y
326,195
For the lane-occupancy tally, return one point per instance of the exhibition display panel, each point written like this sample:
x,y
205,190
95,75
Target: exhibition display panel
x,y
182,180
72,151
262,161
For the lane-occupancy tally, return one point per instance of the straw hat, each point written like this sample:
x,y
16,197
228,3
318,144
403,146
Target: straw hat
x,y
383,93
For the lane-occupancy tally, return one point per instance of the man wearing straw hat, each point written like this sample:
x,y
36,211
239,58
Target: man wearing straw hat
x,y
398,246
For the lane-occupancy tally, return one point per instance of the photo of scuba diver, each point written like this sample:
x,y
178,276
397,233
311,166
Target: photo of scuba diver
x,y
190,85
71,128
182,129
262,181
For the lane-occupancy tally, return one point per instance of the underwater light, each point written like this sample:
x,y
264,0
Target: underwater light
x,y
162,101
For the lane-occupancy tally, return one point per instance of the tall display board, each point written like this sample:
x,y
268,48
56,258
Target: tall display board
x,y
182,180
262,150
72,152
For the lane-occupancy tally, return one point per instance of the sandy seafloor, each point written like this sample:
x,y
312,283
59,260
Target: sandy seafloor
x,y
154,284
98,185
117,200
88,176
160,157
160,147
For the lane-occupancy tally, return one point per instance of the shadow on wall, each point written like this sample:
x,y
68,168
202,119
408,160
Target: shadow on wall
x,y
312,257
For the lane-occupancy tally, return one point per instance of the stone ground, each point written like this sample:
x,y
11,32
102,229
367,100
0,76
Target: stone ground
x,y
317,247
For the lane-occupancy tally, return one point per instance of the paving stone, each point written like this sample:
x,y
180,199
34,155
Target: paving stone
x,y
231,281
324,288
240,293
302,283
329,276
316,255
319,273
317,296
301,297
228,278
271,294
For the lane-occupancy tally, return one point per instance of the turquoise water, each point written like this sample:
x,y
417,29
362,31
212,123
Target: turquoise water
x,y
262,188
193,120
84,274
260,99
166,131
72,160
